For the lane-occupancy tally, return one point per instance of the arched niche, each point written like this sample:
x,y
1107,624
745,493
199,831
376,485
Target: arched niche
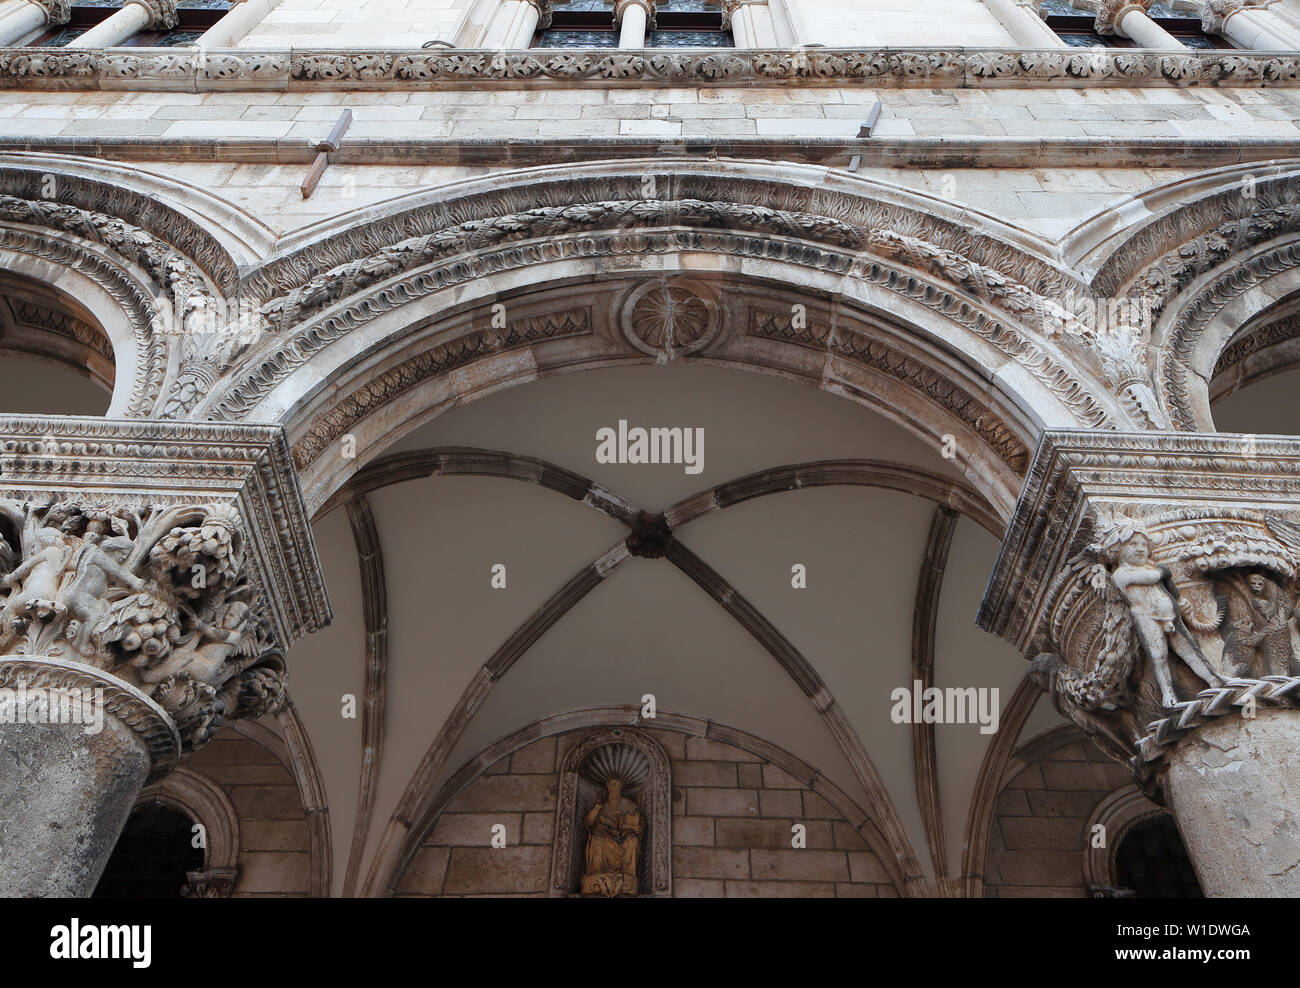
x,y
584,772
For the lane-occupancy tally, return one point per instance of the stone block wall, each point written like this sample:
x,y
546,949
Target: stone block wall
x,y
274,851
733,814
1036,847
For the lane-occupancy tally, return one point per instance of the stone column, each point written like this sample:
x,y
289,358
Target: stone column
x,y
740,17
241,19
517,22
30,15
631,18
152,574
1128,19
1152,579
1020,18
135,16
1252,29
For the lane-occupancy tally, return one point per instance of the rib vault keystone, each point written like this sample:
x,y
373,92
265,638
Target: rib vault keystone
x,y
159,569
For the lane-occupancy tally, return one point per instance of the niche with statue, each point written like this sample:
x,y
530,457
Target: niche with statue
x,y
613,832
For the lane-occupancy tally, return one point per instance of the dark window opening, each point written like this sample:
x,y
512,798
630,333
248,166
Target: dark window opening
x,y
679,24
152,857
194,17
1152,861
1077,28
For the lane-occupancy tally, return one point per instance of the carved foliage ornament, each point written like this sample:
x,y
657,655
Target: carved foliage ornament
x,y
157,597
1111,13
922,67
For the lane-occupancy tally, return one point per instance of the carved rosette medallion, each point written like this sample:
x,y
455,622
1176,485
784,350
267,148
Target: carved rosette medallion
x,y
670,319
1151,579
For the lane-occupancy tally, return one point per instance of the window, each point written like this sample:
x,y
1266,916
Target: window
x,y
679,24
152,857
194,17
1077,27
1152,861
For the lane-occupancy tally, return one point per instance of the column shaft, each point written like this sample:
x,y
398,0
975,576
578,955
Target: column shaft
x,y
1232,789
236,24
631,32
132,18
1255,30
1025,26
20,20
1137,26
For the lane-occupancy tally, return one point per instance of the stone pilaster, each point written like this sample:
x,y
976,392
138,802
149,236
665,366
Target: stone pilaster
x,y
152,575
1152,580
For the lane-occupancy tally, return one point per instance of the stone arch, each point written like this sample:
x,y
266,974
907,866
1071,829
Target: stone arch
x,y
391,866
1117,814
1212,255
207,805
379,325
144,254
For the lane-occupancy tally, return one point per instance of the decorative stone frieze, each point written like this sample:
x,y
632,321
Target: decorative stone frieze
x,y
224,69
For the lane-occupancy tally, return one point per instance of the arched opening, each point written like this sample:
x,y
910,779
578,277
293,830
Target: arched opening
x,y
153,856
1153,863
55,358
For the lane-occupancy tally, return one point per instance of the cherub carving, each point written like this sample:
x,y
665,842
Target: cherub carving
x,y
39,576
205,654
96,565
1155,608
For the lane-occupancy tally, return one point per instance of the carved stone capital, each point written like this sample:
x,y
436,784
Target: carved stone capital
x,y
1111,13
544,12
57,12
620,8
173,558
162,13
1216,13
1151,578
214,883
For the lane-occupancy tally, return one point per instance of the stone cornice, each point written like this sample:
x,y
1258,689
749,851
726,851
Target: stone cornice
x,y
182,70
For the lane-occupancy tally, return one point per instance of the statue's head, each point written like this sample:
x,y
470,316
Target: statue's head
x,y
615,787
1257,582
1127,544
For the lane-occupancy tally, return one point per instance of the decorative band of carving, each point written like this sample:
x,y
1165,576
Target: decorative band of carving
x,y
1233,697
181,71
124,702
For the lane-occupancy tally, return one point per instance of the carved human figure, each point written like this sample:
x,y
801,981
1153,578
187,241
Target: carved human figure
x,y
614,830
1153,605
203,657
1259,633
96,565
39,576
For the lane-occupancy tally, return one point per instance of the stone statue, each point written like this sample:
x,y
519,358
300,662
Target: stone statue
x,y
1154,606
1258,631
614,830
36,581
96,565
